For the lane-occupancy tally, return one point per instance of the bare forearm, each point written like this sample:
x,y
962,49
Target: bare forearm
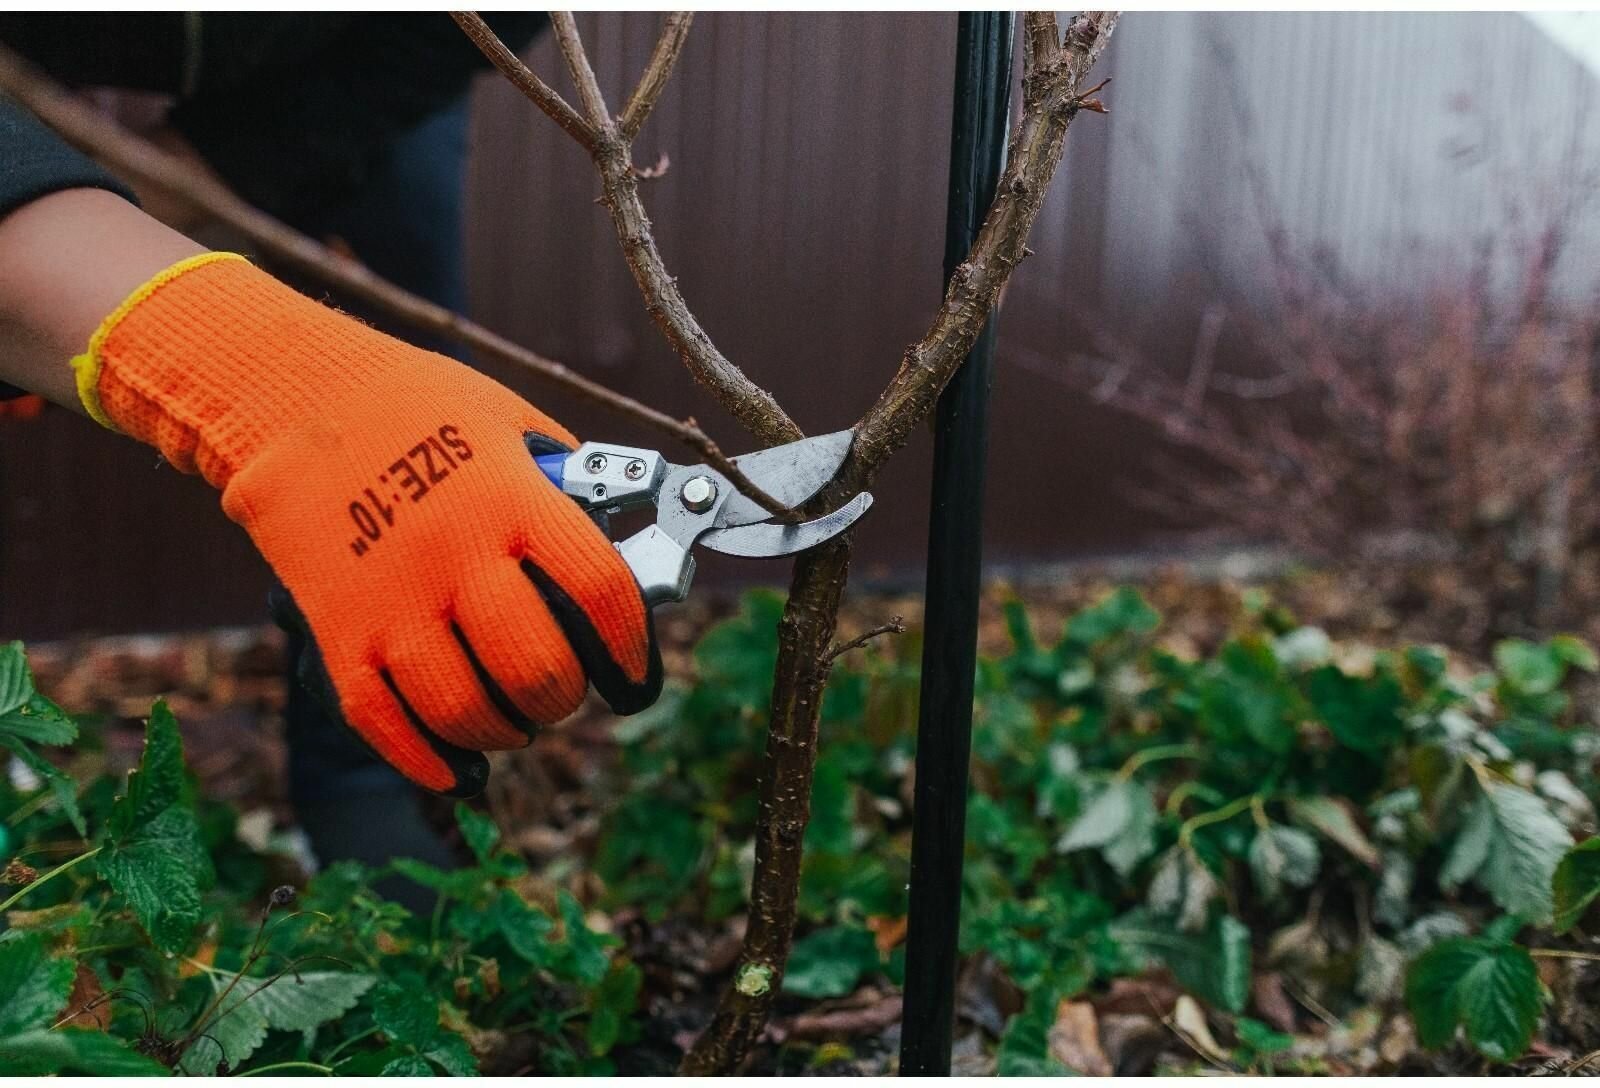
x,y
66,261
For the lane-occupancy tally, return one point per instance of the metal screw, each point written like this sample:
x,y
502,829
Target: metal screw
x,y
599,491
698,494
634,470
596,463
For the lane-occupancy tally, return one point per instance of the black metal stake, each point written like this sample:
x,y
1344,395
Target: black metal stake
x,y
955,554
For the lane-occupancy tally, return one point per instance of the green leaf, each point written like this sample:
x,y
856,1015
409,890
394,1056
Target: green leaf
x,y
1576,883
1532,669
296,1002
38,720
159,869
25,715
584,956
39,1052
451,1053
409,1066
1123,611
479,831
525,927
615,1001
1119,821
1283,856
1489,988
1528,844
1025,1046
158,783
1471,847
830,962
1331,818
16,679
1260,1038
407,1016
1214,964
33,987
1361,713
61,785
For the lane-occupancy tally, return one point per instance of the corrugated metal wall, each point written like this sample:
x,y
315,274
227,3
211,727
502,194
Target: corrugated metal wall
x,y
803,215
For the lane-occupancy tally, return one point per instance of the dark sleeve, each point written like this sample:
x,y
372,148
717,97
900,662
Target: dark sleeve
x,y
34,162
306,130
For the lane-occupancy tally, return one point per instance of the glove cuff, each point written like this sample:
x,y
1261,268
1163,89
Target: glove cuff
x,y
88,366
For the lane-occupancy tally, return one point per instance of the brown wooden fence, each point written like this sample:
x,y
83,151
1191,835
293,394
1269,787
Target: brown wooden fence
x,y
803,214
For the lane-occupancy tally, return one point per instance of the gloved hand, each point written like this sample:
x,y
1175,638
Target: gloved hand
x,y
457,597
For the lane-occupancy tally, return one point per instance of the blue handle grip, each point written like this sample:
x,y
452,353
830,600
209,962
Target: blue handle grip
x,y
553,465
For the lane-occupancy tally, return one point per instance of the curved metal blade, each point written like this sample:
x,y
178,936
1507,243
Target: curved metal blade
x,y
790,473
768,540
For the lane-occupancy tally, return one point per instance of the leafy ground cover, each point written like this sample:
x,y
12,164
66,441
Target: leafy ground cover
x,y
1246,846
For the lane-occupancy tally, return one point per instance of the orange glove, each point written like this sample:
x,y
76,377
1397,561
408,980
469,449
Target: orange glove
x,y
457,597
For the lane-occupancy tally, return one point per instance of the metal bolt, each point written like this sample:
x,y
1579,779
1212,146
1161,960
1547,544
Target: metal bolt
x,y
634,470
596,463
698,493
599,491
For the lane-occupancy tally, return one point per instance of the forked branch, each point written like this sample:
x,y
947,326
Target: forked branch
x,y
612,152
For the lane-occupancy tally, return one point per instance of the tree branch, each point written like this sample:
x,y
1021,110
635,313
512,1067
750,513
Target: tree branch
x,y
895,626
594,103
751,405
142,161
811,612
1053,72
522,77
674,32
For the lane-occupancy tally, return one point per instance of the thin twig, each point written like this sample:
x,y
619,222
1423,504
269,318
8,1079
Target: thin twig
x,y
594,103
750,404
142,161
522,77
895,626
674,31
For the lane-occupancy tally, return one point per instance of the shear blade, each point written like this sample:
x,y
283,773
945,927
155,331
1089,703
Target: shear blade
x,y
768,540
790,473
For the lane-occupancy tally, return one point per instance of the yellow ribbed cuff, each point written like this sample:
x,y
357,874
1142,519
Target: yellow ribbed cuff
x,y
86,367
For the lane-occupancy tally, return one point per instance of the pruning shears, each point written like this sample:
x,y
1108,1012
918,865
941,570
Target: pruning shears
x,y
696,504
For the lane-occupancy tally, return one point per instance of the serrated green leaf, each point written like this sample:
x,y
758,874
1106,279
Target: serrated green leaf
x,y
407,1016
1332,818
451,1053
158,783
1576,883
1283,857
409,1065
38,720
583,951
1361,713
479,830
525,927
307,999
39,1052
1025,1047
1119,821
1489,988
615,1001
33,987
1471,847
16,679
1122,611
1529,842
160,869
830,962
230,1037
1214,964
